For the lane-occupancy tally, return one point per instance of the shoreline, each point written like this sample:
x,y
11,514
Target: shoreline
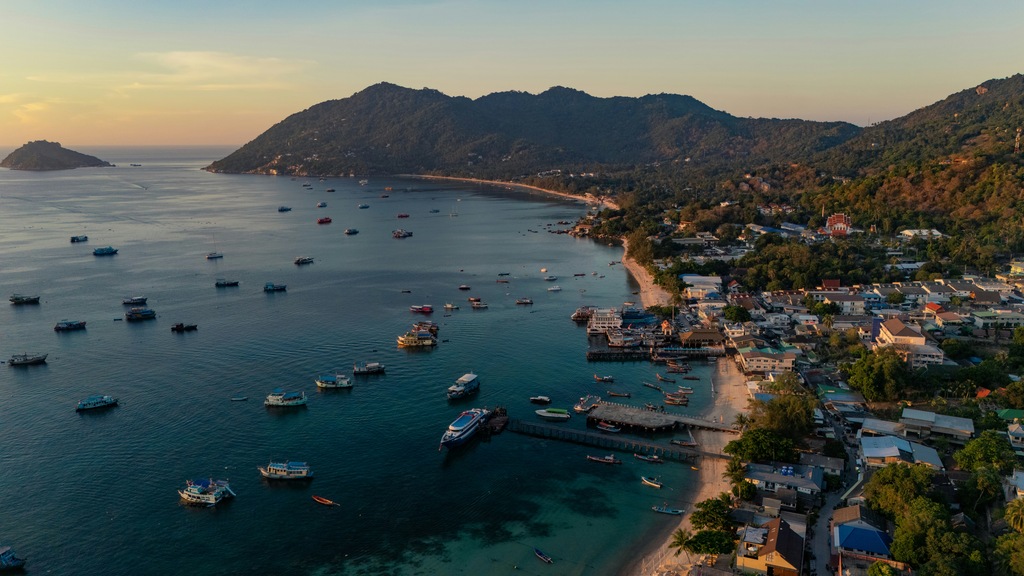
x,y
650,293
730,398
589,199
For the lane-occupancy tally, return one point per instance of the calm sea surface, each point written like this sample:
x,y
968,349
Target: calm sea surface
x,y
95,493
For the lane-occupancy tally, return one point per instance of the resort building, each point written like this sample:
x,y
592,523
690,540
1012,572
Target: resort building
x,y
703,341
762,362
807,480
924,424
909,344
774,548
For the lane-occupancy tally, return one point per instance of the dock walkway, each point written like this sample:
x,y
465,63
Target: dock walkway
x,y
631,417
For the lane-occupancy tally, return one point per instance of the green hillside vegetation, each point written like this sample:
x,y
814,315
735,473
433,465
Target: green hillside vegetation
x,y
43,155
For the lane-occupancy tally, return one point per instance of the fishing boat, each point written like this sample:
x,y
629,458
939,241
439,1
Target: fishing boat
x,y
550,278
271,287
105,251
667,510
479,305
607,427
205,492
303,260
555,289
324,220
286,471
325,501
77,239
239,398
27,359
466,384
401,233
544,557
416,339
134,300
652,482
655,386
620,394
422,308
609,459
464,427
691,378
284,209
351,231
22,299
604,378
556,414
473,299
587,403
138,314
524,301
69,325
8,561
96,402
677,402
653,459
363,368
333,381
181,327
280,398
364,182
540,400
214,255
664,379
450,306
222,283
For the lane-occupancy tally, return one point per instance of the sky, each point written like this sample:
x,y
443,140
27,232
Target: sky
x,y
220,72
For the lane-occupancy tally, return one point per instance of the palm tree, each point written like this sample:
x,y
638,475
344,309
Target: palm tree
x,y
735,471
1014,514
741,420
828,321
679,539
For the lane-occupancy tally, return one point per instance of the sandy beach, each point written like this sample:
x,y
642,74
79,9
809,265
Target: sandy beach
x,y
730,399
650,293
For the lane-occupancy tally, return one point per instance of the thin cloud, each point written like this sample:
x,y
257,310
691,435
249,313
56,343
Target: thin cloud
x,y
213,71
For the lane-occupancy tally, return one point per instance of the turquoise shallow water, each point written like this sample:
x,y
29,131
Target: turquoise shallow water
x,y
95,493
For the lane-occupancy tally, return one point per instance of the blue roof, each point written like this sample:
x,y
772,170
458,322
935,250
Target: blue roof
x,y
867,540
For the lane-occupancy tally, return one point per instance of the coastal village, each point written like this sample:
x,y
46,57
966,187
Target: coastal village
x,y
870,433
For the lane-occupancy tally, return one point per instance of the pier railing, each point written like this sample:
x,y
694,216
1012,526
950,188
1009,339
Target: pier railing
x,y
602,440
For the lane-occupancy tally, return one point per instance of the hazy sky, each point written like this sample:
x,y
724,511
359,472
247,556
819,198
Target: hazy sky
x,y
109,72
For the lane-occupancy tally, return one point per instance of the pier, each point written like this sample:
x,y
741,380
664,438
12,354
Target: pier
x,y
640,419
608,441
619,355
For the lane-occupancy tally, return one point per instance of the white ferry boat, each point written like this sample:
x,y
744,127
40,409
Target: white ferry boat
x,y
415,339
333,381
286,471
205,492
367,368
466,384
281,398
602,320
97,401
463,428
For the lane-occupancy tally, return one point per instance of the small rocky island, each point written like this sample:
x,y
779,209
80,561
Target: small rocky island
x,y
43,155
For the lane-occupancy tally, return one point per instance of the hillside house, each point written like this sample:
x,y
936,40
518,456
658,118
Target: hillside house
x,y
774,548
924,424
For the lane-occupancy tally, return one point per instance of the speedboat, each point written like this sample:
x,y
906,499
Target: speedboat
x,y
401,233
652,482
540,400
351,231
105,251
463,428
286,471
556,414
555,289
181,327
134,300
27,359
136,314
69,325
321,204
214,255
609,459
367,368
281,398
77,239
8,561
466,384
22,299
271,287
450,306
301,260
333,381
205,492
95,402
653,459
550,278
464,287
479,305
363,206
222,283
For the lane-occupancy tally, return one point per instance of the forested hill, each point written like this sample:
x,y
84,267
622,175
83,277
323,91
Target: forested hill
x,y
43,155
388,129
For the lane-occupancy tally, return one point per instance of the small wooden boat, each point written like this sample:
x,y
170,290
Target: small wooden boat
x,y
685,443
664,379
694,468
325,501
620,394
653,459
677,401
544,557
556,414
653,482
604,378
691,378
607,427
609,459
667,510
239,398
655,386
540,400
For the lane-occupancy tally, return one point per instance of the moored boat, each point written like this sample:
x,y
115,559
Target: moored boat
x,y
652,482
69,325
302,260
222,283
324,501
214,255
284,209
271,287
653,458
464,287
620,394
8,561
667,510
607,427
467,384
362,368
691,378
105,251
555,289
324,220
27,359
479,305
96,402
604,378
137,314
22,299
664,379
351,231
686,443
205,492
284,399
556,414
609,459
544,557
422,308
181,327
416,339
540,400
134,300
363,206
403,215
655,386
550,278
524,301
286,471
450,306
464,427
321,204
333,381
77,239
582,314
401,233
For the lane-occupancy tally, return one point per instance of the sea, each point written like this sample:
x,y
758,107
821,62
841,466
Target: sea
x,y
96,492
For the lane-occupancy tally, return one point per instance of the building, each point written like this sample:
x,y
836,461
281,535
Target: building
x,y
774,548
703,341
849,304
924,424
909,344
894,331
828,464
920,233
1016,434
806,480
762,362
838,225
880,451
857,532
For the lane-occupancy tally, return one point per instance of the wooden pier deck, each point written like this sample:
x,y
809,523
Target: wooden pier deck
x,y
633,418
609,441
